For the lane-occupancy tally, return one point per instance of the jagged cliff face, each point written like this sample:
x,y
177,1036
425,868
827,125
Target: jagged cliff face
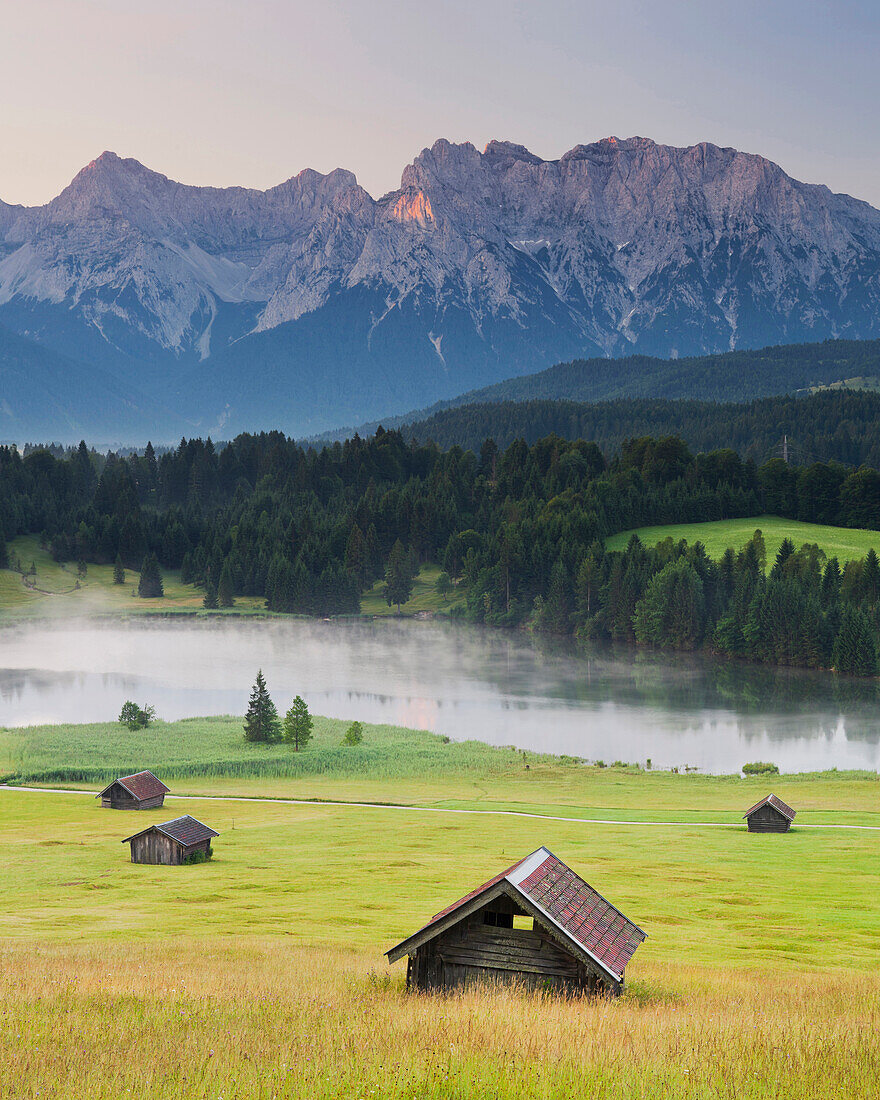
x,y
482,265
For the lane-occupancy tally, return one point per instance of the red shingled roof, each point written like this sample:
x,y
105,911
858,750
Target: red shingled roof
x,y
776,803
185,830
141,785
570,905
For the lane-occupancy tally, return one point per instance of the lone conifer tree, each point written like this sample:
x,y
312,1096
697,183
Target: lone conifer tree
x,y
210,600
225,595
261,721
298,725
150,583
118,571
398,577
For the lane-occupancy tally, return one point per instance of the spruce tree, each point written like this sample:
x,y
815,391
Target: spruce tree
x,y
398,578
871,579
150,583
356,555
261,721
784,552
855,650
210,600
118,571
225,595
298,725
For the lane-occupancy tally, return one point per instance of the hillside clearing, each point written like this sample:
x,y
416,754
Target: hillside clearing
x,y
844,543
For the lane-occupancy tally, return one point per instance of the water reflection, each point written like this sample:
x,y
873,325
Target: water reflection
x,y
600,703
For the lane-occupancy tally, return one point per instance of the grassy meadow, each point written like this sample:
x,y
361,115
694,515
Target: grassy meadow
x,y
53,591
261,973
424,597
844,543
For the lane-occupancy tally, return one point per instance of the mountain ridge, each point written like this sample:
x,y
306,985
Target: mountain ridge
x,y
482,265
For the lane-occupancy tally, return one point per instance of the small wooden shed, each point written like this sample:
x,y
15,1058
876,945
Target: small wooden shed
x,y
141,791
770,815
537,923
171,842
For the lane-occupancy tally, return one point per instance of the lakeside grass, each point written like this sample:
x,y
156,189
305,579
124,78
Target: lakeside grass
x,y
55,592
261,973
209,756
844,543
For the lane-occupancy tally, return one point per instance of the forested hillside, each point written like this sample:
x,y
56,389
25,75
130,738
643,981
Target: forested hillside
x,y
731,376
839,425
520,529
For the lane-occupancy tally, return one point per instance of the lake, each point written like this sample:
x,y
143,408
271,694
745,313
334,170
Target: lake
x,y
469,683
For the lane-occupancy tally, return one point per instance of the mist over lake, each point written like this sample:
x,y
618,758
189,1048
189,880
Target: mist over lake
x,y
467,683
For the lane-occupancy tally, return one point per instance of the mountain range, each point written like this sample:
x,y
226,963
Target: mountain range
x,y
132,306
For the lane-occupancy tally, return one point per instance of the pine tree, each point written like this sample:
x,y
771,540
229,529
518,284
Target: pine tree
x,y
210,601
298,725
118,571
225,595
784,552
356,555
261,721
855,650
871,579
150,583
398,578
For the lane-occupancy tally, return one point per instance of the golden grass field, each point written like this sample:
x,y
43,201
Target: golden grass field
x,y
261,973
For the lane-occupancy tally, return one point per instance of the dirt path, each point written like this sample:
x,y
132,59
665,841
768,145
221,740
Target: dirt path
x,y
443,810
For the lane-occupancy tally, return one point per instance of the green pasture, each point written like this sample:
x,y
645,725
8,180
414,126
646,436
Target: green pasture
x,y
424,597
53,590
843,543
364,876
261,973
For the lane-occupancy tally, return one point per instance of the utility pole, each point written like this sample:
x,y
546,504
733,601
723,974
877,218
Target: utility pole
x,y
785,449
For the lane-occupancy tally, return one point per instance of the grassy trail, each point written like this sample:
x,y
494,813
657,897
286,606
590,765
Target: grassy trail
x,y
170,799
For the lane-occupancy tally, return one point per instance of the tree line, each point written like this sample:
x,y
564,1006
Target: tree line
x,y
522,528
834,425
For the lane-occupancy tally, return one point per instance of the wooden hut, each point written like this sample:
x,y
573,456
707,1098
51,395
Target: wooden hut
x,y
770,815
141,791
537,923
171,842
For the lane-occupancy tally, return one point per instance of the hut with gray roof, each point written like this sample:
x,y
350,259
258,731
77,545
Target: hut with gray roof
x,y
770,815
183,840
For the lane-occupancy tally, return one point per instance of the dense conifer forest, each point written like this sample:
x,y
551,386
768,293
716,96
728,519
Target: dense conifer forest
x,y
730,376
834,425
521,528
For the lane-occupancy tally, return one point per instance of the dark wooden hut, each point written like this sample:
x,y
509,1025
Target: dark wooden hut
x,y
171,842
141,791
537,923
770,815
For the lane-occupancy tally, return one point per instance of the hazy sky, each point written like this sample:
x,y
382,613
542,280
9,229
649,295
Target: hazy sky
x,y
231,92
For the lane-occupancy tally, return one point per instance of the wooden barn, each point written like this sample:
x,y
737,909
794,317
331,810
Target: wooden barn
x,y
141,791
537,923
770,815
171,842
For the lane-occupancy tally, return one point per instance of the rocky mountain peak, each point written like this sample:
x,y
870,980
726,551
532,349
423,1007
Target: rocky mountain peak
x,y
481,265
